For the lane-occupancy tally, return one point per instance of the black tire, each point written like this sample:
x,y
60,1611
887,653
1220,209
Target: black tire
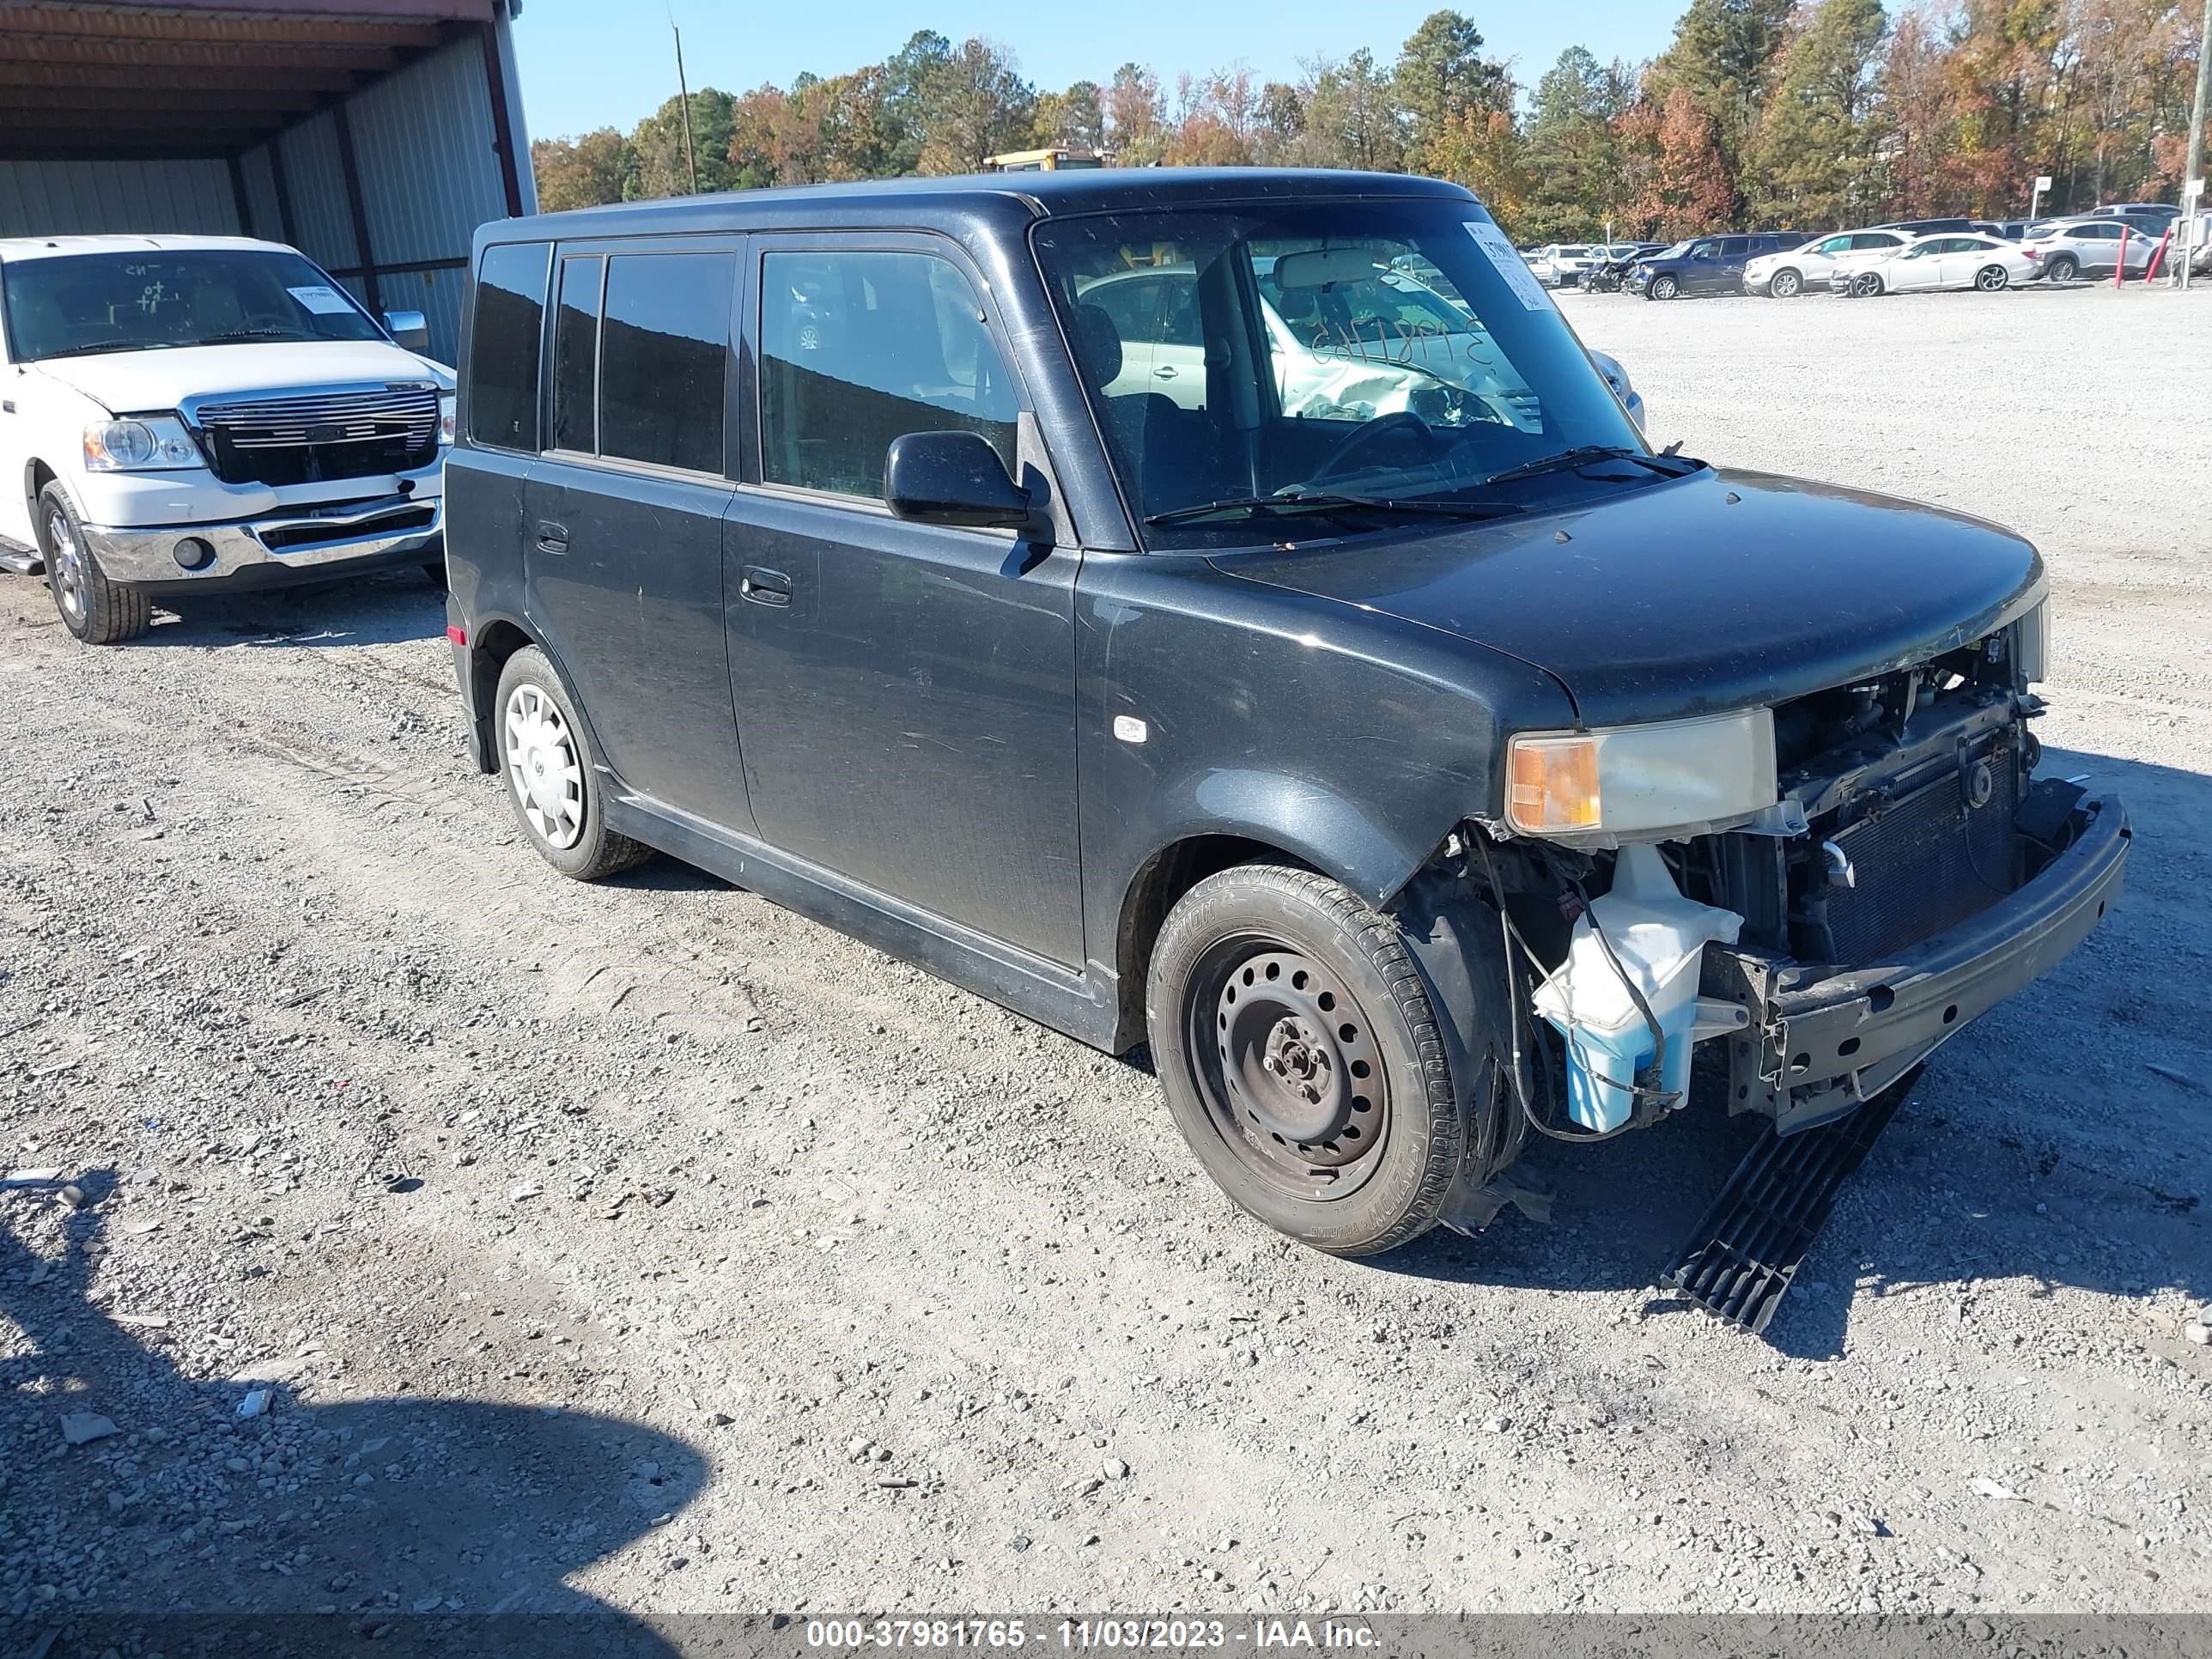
x,y
97,610
2062,268
1331,1003
1785,285
1663,288
1992,279
561,817
434,571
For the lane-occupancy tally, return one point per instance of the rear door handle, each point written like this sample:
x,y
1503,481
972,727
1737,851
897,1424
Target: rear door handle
x,y
760,586
552,538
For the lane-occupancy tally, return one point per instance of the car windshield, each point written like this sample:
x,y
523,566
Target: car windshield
x,y
1398,352
85,304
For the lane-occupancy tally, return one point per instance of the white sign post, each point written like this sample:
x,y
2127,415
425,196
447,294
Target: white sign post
x,y
2192,225
2035,201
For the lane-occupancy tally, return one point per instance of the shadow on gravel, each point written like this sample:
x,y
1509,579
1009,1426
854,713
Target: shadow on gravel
x,y
431,1525
384,609
2066,1138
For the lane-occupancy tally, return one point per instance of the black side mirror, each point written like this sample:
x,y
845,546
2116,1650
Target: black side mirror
x,y
953,478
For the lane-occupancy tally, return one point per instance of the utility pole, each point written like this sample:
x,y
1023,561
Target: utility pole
x,y
2193,171
684,92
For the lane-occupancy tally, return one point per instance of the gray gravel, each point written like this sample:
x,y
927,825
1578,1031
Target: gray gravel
x,y
646,1244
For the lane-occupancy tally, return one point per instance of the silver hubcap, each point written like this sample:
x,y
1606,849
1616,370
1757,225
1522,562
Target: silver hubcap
x,y
68,572
544,767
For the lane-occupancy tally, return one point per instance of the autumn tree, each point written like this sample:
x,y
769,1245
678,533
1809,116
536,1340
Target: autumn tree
x,y
1073,119
585,172
1722,57
1441,76
1351,116
1136,117
973,106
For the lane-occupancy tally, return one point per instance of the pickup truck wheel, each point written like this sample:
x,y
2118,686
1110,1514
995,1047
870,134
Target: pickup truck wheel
x,y
1302,1060
95,610
546,760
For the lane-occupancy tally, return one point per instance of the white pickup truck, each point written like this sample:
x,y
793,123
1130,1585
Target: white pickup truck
x,y
189,413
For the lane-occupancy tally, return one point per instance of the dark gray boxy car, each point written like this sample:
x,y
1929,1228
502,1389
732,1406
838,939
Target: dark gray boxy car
x,y
1294,659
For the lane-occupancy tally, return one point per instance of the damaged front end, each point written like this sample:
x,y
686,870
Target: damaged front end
x,y
1841,883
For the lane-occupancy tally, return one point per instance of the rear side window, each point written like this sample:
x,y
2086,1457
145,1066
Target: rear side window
x,y
665,358
860,348
576,356
503,348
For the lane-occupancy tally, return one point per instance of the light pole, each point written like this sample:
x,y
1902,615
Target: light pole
x,y
2192,174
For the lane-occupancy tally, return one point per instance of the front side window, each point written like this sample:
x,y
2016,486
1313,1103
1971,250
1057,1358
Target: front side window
x,y
664,358
863,346
84,304
503,345
1834,245
1390,347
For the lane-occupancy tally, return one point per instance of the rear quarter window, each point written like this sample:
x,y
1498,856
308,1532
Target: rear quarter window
x,y
501,384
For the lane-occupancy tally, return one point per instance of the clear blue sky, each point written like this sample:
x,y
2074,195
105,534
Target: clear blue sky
x,y
591,64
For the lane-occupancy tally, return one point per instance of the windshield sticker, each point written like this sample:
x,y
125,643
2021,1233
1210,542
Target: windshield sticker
x,y
1510,266
323,300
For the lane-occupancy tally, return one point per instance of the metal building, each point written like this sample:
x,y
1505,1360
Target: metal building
x,y
373,134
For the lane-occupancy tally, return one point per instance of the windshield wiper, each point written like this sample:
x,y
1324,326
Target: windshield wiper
x,y
239,336
94,347
1584,454
1330,502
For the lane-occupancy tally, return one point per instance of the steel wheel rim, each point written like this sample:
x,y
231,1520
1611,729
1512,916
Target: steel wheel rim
x,y
1289,1068
69,574
544,768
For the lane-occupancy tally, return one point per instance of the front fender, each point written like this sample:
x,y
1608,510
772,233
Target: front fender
x,y
1302,819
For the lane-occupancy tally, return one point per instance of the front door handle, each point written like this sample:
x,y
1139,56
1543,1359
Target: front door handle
x,y
552,538
760,586
1165,371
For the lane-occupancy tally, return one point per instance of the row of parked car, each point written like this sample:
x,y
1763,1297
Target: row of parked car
x,y
1892,257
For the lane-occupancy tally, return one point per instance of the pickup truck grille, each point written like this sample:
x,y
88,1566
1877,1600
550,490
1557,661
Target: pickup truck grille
x,y
1927,862
312,437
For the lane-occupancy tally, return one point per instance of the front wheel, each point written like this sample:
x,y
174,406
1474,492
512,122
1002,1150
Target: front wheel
x,y
1663,288
1786,285
551,783
97,610
1302,1059
1866,285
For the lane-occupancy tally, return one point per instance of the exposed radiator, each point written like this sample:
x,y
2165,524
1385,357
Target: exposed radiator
x,y
1924,863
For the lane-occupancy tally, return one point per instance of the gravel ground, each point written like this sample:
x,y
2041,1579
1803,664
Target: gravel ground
x,y
646,1247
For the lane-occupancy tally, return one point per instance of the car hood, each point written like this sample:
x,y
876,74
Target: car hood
x,y
142,382
1718,591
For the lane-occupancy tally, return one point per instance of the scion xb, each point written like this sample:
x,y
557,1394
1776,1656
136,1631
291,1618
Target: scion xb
x,y
1356,756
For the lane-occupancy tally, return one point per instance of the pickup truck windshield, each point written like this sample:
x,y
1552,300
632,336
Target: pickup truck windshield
x,y
1397,351
83,305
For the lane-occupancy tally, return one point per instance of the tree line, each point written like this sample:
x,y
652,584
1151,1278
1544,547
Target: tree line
x,y
1760,113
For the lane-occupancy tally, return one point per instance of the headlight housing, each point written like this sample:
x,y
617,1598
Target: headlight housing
x,y
447,403
141,443
1660,781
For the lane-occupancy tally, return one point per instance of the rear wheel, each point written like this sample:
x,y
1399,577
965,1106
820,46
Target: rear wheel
x,y
547,762
1663,288
95,610
1302,1059
1992,279
1786,285
2062,268
1866,285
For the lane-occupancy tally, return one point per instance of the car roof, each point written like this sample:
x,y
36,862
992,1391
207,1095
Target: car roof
x,y
15,249
1005,200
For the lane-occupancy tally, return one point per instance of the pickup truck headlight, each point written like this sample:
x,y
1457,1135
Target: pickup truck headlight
x,y
144,443
447,403
1638,782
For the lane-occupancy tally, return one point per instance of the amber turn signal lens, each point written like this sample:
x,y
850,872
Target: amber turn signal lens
x,y
1552,785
